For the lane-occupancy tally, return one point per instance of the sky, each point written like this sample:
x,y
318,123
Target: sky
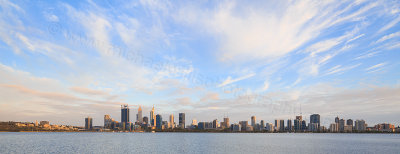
x,y
65,60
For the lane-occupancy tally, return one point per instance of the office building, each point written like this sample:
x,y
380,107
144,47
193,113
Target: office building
x,y
171,121
349,122
107,121
158,121
253,121
289,125
226,122
194,122
269,127
152,117
333,127
360,125
182,120
88,123
262,124
146,120
297,123
235,128
124,114
337,119
139,117
215,123
342,123
315,119
243,125
281,125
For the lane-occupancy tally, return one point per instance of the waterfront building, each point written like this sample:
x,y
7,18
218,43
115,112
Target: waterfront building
x,y
158,121
348,128
139,117
171,121
360,125
215,123
289,125
262,124
281,125
269,127
303,125
313,127
349,122
342,123
235,128
182,120
107,121
276,125
243,125
88,123
124,114
146,120
42,123
297,123
333,127
226,122
337,119
315,118
152,117
194,122
253,121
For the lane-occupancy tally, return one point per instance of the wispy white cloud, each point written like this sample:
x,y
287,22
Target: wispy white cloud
x,y
229,80
338,69
390,24
375,68
387,37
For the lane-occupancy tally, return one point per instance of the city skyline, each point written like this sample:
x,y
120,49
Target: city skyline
x,y
62,61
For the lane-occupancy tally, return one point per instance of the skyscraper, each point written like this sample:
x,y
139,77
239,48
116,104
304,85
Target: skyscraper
x,y
349,122
171,120
253,121
152,117
88,123
146,120
297,123
282,125
262,124
342,123
139,116
107,121
226,122
182,120
315,119
158,121
359,125
215,123
124,114
289,125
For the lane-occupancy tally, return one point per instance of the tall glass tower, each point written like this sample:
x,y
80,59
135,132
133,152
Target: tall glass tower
x,y
124,114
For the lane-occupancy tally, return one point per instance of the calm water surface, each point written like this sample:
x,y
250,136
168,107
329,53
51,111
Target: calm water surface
x,y
49,142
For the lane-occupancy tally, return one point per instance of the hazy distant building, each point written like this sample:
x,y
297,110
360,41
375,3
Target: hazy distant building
x,y
235,127
152,117
269,127
277,125
42,123
303,125
226,122
215,123
88,123
349,122
359,125
124,114
315,119
158,121
194,122
107,121
182,120
139,117
337,120
342,123
171,121
333,127
243,125
313,127
281,125
289,125
146,120
297,123
253,121
262,124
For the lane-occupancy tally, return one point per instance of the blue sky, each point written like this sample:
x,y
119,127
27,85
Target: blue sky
x,y
63,61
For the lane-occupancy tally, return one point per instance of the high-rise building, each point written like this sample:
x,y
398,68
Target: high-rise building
x,y
253,121
139,116
182,120
269,127
337,119
124,114
277,125
158,121
243,125
303,125
152,117
315,119
107,121
282,125
349,122
289,125
171,121
342,123
215,123
88,123
194,122
360,125
297,123
262,124
333,127
226,122
146,120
